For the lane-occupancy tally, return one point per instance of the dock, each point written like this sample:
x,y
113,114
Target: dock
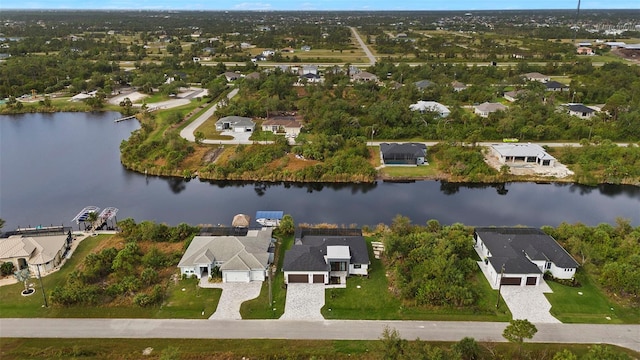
x,y
101,219
124,118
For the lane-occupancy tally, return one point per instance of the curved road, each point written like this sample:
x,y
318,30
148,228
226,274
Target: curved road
x,y
623,335
372,59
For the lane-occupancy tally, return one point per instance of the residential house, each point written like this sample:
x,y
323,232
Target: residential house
x,y
231,76
615,44
268,52
238,258
34,250
521,256
259,57
512,96
286,125
536,76
235,124
287,50
310,78
403,153
305,48
556,86
245,45
487,108
309,69
583,50
423,84
522,153
584,44
458,86
364,76
326,256
580,111
430,106
253,76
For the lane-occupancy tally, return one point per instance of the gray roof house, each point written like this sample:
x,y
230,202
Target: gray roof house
x,y
555,86
43,252
458,86
522,153
235,124
326,259
430,106
520,256
403,153
231,76
536,76
580,111
364,76
487,108
239,258
512,96
423,84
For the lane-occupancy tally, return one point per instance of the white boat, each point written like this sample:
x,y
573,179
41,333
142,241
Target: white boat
x,y
268,222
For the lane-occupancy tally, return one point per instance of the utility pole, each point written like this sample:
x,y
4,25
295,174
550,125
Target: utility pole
x,y
500,286
44,295
270,294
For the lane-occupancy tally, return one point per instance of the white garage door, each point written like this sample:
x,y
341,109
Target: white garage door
x,y
236,276
257,275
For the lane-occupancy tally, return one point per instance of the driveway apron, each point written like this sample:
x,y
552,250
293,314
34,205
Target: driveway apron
x,y
304,302
233,295
529,302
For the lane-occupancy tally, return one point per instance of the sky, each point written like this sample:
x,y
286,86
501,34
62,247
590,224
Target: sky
x,y
318,4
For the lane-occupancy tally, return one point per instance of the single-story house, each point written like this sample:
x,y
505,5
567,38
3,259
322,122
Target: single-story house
x,y
556,86
253,76
45,252
458,86
583,50
305,48
310,78
536,76
268,52
231,76
522,153
487,108
326,259
239,258
235,124
615,44
512,96
520,256
423,84
309,69
430,106
403,153
282,125
580,111
287,50
364,76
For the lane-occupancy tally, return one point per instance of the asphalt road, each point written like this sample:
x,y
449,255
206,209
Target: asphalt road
x,y
623,335
372,59
188,131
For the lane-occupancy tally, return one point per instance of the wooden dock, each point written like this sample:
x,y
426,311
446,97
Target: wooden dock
x,y
124,118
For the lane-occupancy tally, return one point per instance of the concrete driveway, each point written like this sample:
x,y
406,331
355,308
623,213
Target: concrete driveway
x,y
233,295
529,302
304,302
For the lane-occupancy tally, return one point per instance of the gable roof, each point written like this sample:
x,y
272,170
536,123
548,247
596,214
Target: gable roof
x,y
514,246
364,75
458,85
308,253
535,75
37,250
423,84
490,107
429,106
235,252
236,121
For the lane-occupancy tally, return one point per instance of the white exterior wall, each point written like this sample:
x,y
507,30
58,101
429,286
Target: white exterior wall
x,y
364,270
562,273
258,275
189,270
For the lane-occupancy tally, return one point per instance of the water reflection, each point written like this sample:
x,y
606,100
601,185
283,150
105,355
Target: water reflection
x,y
261,188
449,188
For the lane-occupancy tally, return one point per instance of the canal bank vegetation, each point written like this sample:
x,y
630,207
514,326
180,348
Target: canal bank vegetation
x,y
389,346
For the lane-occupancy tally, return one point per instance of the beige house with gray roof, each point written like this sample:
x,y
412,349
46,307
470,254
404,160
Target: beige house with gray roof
x,y
44,251
487,108
239,258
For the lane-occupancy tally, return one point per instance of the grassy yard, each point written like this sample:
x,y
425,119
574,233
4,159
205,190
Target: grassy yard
x,y
179,304
370,299
208,128
246,348
259,308
409,171
587,304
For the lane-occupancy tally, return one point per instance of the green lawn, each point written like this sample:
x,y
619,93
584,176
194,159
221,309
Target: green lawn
x,y
409,171
259,308
569,306
370,299
179,304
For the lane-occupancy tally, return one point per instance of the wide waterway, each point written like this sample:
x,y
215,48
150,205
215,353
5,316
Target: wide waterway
x,y
53,165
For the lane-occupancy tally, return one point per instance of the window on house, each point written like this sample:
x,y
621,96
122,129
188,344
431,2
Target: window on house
x,y
548,266
357,266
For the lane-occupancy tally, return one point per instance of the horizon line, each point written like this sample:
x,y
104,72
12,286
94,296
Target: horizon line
x,y
306,10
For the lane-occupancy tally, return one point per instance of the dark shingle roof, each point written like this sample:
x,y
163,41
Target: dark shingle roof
x,y
555,85
512,246
308,254
580,108
403,150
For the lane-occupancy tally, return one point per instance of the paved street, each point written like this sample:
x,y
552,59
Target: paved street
x,y
622,335
365,48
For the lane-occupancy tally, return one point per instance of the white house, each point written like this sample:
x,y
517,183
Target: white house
x,y
536,76
326,259
522,153
45,252
430,106
268,52
521,256
235,124
487,108
364,76
239,258
309,69
581,111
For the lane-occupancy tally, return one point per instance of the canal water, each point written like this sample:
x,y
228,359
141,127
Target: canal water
x,y
53,165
